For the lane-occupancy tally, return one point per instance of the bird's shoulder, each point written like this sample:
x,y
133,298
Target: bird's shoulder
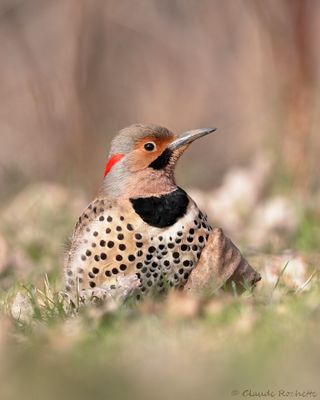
x,y
95,210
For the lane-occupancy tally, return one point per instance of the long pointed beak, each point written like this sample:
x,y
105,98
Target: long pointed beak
x,y
188,137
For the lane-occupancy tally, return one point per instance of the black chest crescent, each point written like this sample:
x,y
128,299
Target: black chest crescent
x,y
162,211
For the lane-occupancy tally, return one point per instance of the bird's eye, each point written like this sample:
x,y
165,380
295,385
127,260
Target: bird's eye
x,y
150,146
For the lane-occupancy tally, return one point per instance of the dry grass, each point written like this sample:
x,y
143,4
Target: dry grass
x,y
175,347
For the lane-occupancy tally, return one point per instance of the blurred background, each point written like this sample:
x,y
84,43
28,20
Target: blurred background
x,y
75,72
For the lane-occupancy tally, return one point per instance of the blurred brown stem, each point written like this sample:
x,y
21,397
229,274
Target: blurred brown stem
x,y
293,57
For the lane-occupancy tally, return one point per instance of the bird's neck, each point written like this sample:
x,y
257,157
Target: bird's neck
x,y
144,183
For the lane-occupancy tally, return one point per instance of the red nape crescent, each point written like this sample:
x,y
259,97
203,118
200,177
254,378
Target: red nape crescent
x,y
112,161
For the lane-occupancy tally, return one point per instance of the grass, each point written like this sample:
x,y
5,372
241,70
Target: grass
x,y
157,350
178,347
307,237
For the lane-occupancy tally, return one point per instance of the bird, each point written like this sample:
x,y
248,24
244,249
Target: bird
x,y
142,233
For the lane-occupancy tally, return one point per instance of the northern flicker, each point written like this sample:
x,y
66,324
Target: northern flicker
x,y
142,233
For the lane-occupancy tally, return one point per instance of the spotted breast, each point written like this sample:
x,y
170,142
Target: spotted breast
x,y
158,239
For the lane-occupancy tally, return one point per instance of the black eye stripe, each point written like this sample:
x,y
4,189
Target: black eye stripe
x,y
149,146
162,161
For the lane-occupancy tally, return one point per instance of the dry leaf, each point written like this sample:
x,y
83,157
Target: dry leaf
x,y
220,264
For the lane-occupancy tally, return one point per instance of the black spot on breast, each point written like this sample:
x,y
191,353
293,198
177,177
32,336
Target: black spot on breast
x,y
162,211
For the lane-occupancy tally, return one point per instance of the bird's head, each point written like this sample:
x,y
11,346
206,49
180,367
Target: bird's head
x,y
142,160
